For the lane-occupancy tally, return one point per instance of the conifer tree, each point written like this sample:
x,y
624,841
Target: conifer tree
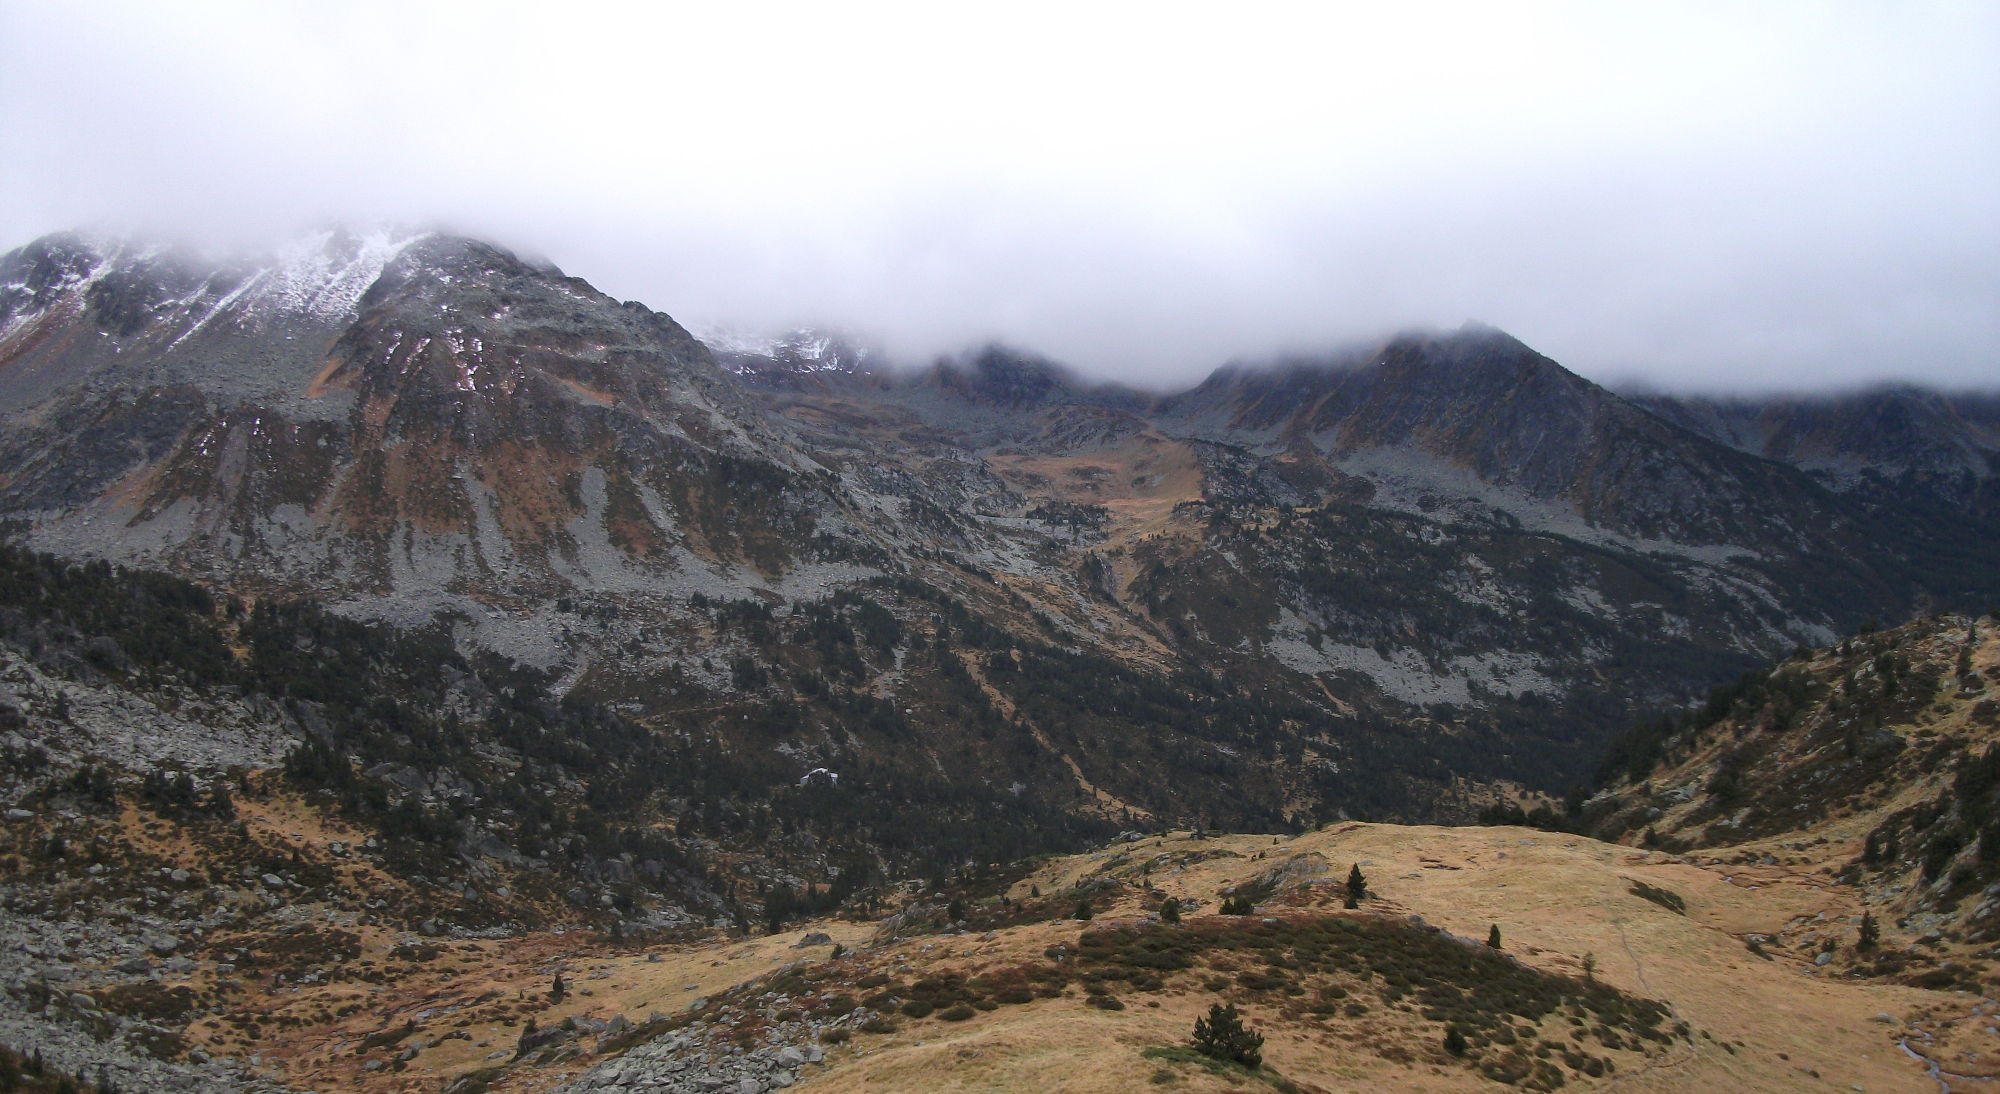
x,y
1871,933
1493,936
1170,912
1221,1036
1357,886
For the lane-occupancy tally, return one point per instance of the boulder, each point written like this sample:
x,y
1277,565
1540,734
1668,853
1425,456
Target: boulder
x,y
1293,872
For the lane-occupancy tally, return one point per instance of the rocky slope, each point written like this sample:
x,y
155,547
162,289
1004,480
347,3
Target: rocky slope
x,y
1879,751
440,421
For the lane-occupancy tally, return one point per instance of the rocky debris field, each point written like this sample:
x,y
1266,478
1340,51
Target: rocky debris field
x,y
690,1061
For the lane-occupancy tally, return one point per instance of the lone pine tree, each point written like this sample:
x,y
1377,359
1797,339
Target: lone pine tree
x,y
1222,1036
1357,886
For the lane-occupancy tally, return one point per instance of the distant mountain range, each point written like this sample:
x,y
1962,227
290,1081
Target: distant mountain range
x,y
1395,581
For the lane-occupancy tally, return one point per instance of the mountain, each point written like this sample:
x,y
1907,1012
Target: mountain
x,y
1923,465
1479,401
1886,438
390,624
1394,581
437,426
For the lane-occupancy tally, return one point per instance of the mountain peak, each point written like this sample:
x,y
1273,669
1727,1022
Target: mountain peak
x,y
164,294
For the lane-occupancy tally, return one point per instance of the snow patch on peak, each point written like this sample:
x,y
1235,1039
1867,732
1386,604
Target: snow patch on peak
x,y
81,263
801,350
727,340
323,275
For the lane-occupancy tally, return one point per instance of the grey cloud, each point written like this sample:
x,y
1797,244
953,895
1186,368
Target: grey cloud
x,y
1707,197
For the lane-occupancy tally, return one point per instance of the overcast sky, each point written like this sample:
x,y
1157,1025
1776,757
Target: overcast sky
x,y
1731,195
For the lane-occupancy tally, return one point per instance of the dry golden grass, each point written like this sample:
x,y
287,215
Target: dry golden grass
x,y
1759,1025
1139,481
